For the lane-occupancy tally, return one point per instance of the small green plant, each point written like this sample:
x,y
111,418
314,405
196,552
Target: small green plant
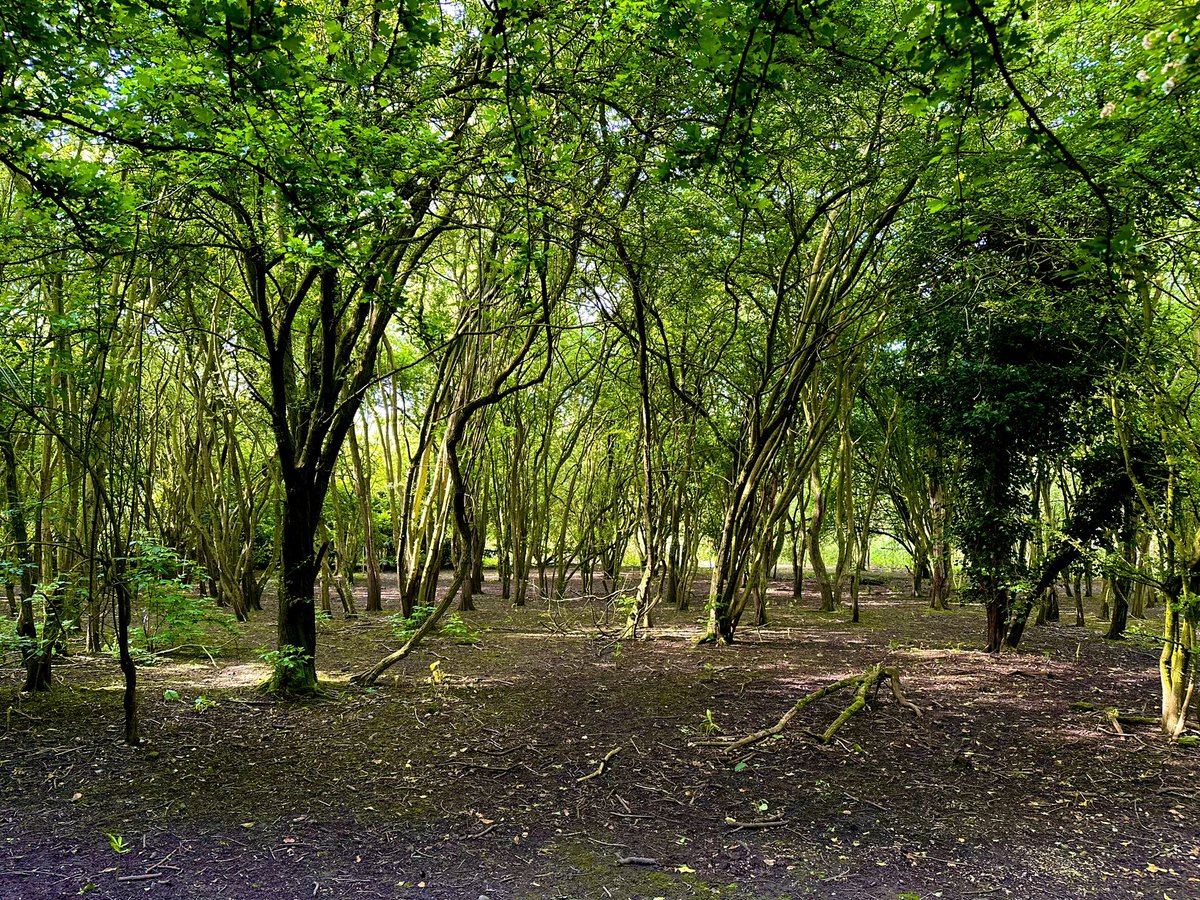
x,y
170,695
201,703
286,663
454,627
9,641
117,843
437,676
142,658
458,630
404,627
437,683
624,605
709,724
709,672
616,650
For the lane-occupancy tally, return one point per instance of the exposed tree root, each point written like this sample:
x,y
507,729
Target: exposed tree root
x,y
868,680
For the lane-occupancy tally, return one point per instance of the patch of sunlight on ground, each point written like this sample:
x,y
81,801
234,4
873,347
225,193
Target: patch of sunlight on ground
x,y
241,675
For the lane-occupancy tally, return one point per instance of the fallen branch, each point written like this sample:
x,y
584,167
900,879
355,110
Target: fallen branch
x,y
600,769
1115,717
636,861
864,682
769,823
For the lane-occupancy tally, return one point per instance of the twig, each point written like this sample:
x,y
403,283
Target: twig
x,y
878,806
600,769
769,823
636,861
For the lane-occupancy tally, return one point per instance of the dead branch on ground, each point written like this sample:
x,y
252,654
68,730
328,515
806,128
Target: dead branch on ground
x,y
864,683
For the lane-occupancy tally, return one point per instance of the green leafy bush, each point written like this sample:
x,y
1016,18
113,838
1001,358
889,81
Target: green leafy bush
x,y
453,626
173,614
286,663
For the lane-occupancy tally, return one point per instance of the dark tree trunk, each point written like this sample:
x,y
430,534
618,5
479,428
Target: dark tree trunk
x,y
297,624
1122,583
504,570
760,607
997,619
920,572
1120,608
128,669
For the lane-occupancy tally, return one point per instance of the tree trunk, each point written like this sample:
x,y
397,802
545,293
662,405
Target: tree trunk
x,y
997,617
297,624
920,570
128,669
362,488
820,571
35,656
798,549
1123,581
1120,607
1177,667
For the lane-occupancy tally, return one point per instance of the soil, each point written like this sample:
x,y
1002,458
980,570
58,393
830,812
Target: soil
x,y
476,788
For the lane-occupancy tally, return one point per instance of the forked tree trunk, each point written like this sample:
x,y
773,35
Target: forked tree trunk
x,y
1177,667
820,571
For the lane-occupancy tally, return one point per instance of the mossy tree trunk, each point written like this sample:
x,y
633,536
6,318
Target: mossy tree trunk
x,y
1177,665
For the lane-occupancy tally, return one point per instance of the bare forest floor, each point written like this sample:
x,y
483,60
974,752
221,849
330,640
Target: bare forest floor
x,y
1000,789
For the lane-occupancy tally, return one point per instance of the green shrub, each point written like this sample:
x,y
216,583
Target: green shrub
x,y
173,614
453,626
286,662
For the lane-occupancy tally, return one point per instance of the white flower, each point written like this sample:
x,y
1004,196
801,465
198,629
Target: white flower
x,y
1143,76
1173,37
1169,85
1109,108
1148,41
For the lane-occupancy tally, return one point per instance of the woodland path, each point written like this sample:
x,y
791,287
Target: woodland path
x,y
1001,789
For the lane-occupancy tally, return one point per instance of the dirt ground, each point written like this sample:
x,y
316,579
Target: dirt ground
x,y
473,789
